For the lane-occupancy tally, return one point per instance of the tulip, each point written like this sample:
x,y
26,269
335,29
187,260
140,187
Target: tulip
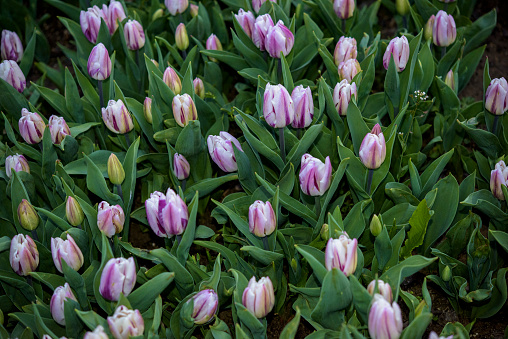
x,y
58,129
279,39
176,6
199,87
213,44
402,6
444,31
345,49
385,320
172,80
194,10
134,35
60,295
31,126
375,226
373,148
181,167
262,221
184,109
118,276
23,255
205,304
90,22
115,13
450,81
446,274
342,94
67,250
10,72
116,173
246,19
383,288
147,109
11,46
117,118
73,212
348,69
261,27
399,48
16,163
496,97
167,214
427,30
181,37
498,177
110,219
278,107
98,333
315,177
256,4
258,297
221,150
433,335
304,106
27,216
99,63
341,254
344,8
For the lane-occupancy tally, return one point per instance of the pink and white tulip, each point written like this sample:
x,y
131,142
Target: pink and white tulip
x,y
125,323
373,148
16,163
278,107
342,95
31,126
99,63
23,255
110,219
385,320
67,250
279,39
167,214
341,254
181,167
184,109
345,49
205,306
444,30
10,72
304,106
344,8
58,129
499,178
383,289
261,27
246,19
262,220
11,46
176,6
349,69
115,13
56,305
90,21
221,150
399,48
496,97
315,177
259,297
118,276
117,118
134,35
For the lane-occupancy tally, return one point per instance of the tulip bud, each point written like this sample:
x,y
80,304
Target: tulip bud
x,y
27,216
116,172
73,212
348,69
375,226
213,44
444,31
205,306
498,177
16,163
373,148
90,22
58,129
181,37
450,80
221,150
278,107
155,62
258,297
147,109
176,6
67,250
315,177
256,4
181,167
261,27
344,8
496,97
56,305
262,220
304,107
199,87
399,48
446,275
117,118
341,254
125,323
246,19
345,49
433,335
115,13
383,288
427,30
342,94
158,14
325,231
23,255
11,46
172,80
110,219
98,333
279,39
194,10
99,63
167,214
31,126
385,320
134,35
118,276
184,109
10,72
402,7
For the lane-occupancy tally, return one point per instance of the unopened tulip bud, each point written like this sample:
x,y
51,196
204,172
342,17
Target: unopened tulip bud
x,y
181,167
16,163
67,250
279,39
157,14
446,275
90,21
172,80
31,126
375,226
315,177
341,254
261,27
60,295
345,49
184,109
116,173
342,94
10,72
496,97
399,48
23,255
115,13
259,297
176,6
221,150
213,44
383,289
98,333
147,109
118,276
117,118
194,10
11,46
402,7
73,212
167,214
125,323
205,306
246,19
373,148
99,63
199,87
304,106
256,4
349,69
385,320
498,178
110,219
325,232
450,80
27,216
58,129
262,220
181,37
134,35
344,8
444,31
429,26
278,107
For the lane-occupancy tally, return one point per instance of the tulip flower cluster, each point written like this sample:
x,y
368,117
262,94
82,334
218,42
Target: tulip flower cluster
x,y
91,19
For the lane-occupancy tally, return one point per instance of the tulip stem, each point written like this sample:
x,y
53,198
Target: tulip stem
x,y
299,133
119,190
34,235
184,55
443,52
446,6
137,63
282,145
41,147
127,140
265,244
179,239
318,205
344,26
101,94
183,183
404,22
279,71
369,180
494,125
29,280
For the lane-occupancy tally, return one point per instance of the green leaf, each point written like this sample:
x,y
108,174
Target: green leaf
x,y
264,257
419,221
96,183
315,258
183,279
182,251
417,327
290,330
501,238
143,297
383,248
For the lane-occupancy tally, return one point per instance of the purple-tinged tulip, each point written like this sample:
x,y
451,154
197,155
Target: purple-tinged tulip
x,y
167,214
98,333
172,80
58,129
27,216
11,46
134,35
199,87
115,13
90,21
342,94
194,10
10,72
184,109
57,303
262,221
99,63
279,39
256,4
278,107
246,19
116,173
176,6
213,44
399,48
23,255
221,150
349,69
73,212
315,177
496,97
385,320
444,31
341,254
383,288
373,148
31,126
110,219
433,335
118,276
450,81
67,250
345,49
304,106
205,306
181,37
16,163
125,323
258,297
344,8
147,109
181,167
498,177
429,26
261,27
117,118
